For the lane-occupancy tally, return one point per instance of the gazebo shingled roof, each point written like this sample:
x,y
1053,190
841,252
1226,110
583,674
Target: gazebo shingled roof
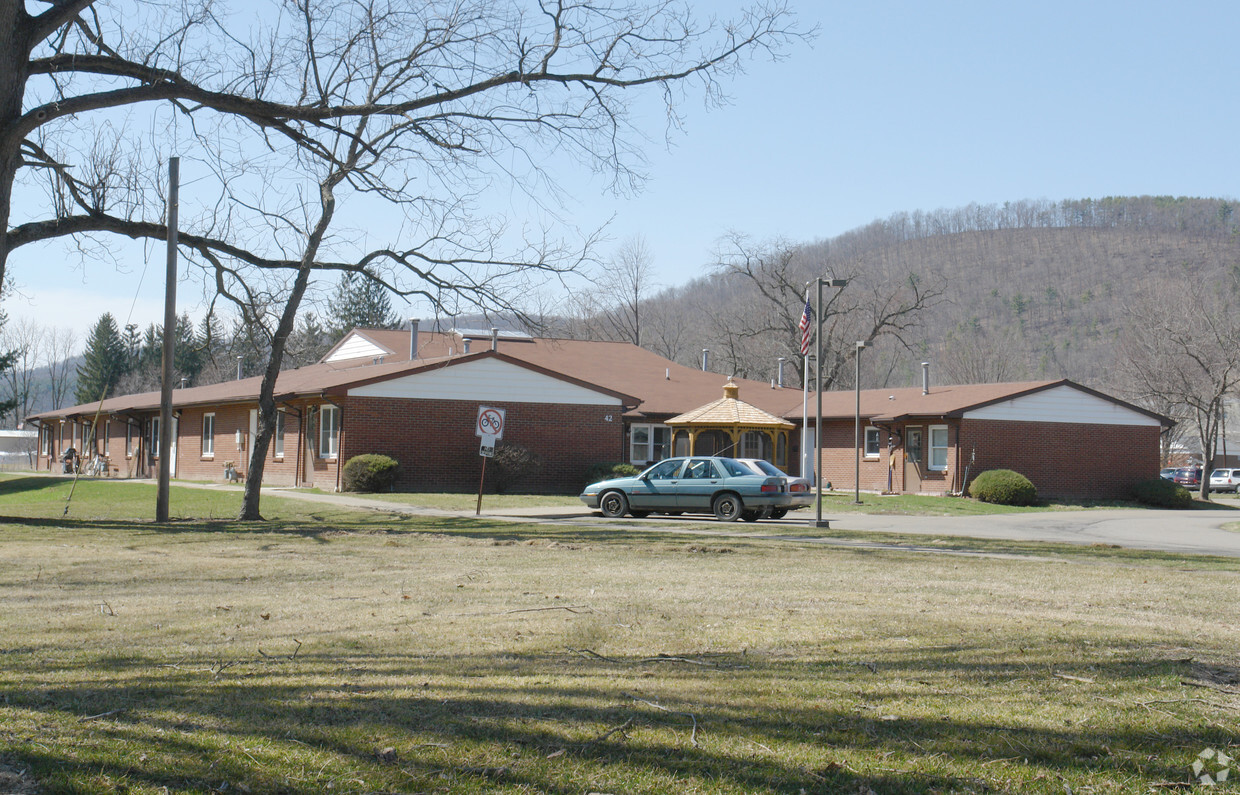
x,y
729,411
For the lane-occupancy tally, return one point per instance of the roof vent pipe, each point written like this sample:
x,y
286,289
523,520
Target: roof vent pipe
x,y
780,379
494,338
925,378
413,338
465,343
705,358
239,359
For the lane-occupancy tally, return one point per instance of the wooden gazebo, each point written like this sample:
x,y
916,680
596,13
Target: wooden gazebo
x,y
731,427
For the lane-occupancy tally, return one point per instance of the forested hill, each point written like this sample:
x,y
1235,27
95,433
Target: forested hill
x,y
1024,290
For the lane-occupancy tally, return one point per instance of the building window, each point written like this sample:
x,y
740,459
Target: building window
x,y
329,432
871,442
938,448
208,435
128,439
649,443
154,437
45,441
277,441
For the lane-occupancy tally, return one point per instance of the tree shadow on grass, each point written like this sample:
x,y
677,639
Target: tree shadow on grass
x,y
567,723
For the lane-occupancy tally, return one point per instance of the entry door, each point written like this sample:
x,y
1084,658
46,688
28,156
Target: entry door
x,y
914,455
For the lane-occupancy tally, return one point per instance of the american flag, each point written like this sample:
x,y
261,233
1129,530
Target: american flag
x,y
806,327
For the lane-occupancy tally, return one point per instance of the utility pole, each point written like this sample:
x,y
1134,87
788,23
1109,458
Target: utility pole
x,y
170,319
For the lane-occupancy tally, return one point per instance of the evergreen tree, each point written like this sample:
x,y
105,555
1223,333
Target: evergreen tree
x,y
361,302
104,362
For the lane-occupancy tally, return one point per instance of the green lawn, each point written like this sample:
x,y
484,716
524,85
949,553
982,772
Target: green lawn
x,y
337,651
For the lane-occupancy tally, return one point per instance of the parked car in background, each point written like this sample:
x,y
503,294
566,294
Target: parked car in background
x,y
1225,480
701,484
1188,476
802,492
1168,473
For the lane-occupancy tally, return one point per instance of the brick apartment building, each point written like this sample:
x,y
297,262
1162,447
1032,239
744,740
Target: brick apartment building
x,y
416,397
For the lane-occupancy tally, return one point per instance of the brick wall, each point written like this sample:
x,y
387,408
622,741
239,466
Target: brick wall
x,y
435,444
1066,459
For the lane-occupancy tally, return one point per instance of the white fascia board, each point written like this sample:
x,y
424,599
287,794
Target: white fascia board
x,y
1062,404
486,379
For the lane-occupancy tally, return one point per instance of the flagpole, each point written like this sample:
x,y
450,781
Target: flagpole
x,y
806,462
818,415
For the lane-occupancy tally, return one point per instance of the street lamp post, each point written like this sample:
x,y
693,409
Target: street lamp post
x,y
861,344
838,284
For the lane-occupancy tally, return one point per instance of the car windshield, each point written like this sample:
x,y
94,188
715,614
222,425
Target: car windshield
x,y
735,468
1221,473
768,467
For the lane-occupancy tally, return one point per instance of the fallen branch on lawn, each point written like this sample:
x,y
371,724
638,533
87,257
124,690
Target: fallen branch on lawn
x,y
618,729
689,715
594,654
100,715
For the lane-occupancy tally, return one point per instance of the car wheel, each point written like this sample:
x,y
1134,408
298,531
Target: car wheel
x,y
750,516
639,514
779,513
613,504
728,507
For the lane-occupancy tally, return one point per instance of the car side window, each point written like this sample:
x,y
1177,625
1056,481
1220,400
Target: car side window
x,y
701,469
665,470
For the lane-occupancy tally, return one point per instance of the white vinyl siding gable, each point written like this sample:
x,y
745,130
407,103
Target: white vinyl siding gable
x,y
485,380
356,346
1062,404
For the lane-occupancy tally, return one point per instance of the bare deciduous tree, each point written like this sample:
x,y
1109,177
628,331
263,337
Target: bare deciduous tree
x,y
1179,355
58,353
300,111
26,338
881,300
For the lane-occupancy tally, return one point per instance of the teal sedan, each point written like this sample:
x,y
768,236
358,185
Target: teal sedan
x,y
700,484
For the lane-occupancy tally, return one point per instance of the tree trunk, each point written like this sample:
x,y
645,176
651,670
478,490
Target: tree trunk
x,y
14,57
267,401
266,394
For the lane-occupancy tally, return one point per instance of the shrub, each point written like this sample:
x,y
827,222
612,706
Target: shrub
x,y
370,473
513,463
607,471
1162,494
1003,487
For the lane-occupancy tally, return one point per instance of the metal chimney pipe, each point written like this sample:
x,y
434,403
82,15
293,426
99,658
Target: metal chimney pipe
x,y
413,338
494,338
705,358
239,358
925,378
780,379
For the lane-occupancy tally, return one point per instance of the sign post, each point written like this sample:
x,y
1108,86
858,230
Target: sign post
x,y
490,429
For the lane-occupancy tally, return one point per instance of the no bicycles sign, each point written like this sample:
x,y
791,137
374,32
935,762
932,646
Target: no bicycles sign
x,y
490,422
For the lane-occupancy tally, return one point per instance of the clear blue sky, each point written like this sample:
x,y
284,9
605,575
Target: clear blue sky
x,y
896,106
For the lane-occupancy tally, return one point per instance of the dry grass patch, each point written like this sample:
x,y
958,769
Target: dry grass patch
x,y
362,653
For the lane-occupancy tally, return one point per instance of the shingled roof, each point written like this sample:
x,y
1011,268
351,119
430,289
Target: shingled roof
x,y
650,387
